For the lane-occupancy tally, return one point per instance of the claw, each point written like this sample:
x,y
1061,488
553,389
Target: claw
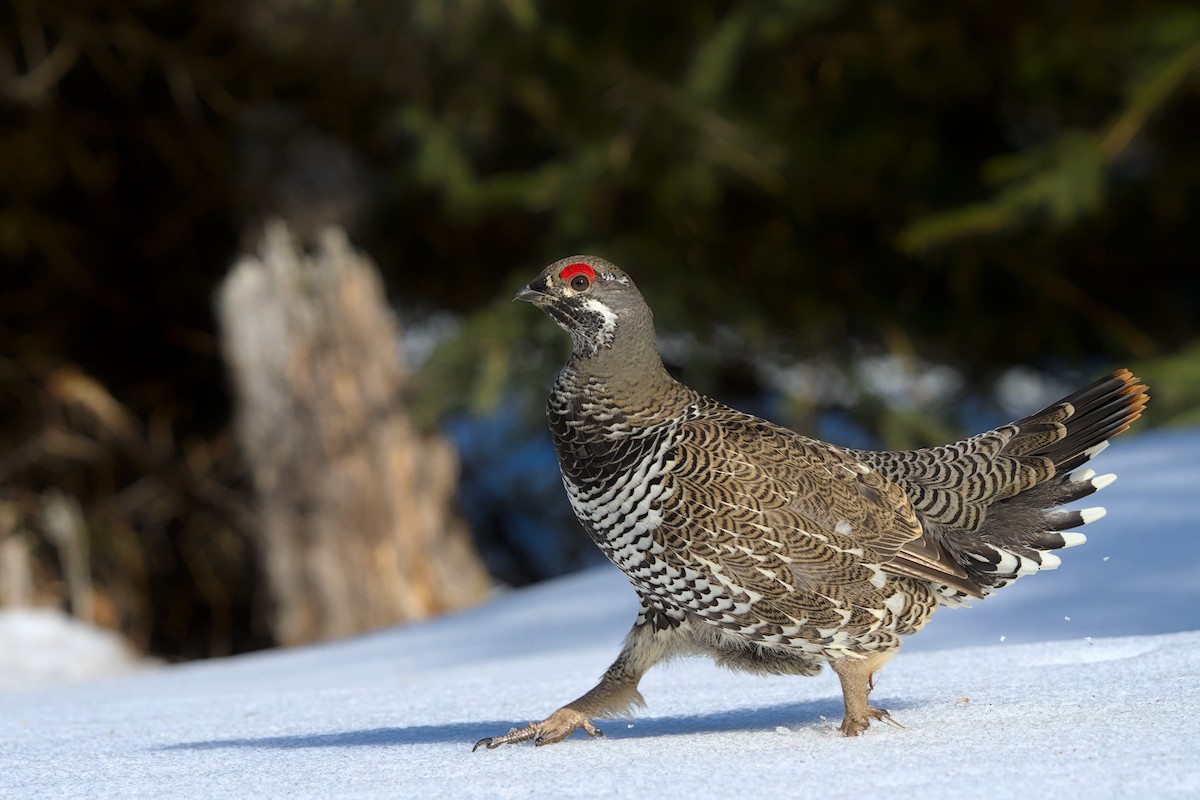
x,y
513,736
555,728
558,734
888,719
853,727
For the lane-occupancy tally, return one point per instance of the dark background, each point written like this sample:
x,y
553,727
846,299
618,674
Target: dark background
x,y
967,196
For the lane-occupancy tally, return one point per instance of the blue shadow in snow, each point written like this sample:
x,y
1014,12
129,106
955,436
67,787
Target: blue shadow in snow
x,y
805,714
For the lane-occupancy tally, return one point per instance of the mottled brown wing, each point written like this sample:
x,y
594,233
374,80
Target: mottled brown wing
x,y
795,528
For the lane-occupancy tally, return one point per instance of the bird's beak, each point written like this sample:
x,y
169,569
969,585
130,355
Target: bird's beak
x,y
529,294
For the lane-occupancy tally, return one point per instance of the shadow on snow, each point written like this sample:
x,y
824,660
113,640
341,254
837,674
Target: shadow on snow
x,y
814,713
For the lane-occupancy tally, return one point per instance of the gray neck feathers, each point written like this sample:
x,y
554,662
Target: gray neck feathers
x,y
630,366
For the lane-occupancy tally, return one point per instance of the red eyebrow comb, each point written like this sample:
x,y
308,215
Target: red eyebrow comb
x,y
578,268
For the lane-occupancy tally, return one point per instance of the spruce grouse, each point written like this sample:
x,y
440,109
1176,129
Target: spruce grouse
x,y
772,552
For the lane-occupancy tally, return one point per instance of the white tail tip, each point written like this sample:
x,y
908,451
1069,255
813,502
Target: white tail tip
x,y
1092,514
1104,480
1028,566
1050,561
1081,475
1096,450
1072,538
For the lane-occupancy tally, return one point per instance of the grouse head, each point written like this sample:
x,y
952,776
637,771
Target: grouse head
x,y
595,302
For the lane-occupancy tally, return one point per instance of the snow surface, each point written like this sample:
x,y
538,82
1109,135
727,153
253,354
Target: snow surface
x,y
394,714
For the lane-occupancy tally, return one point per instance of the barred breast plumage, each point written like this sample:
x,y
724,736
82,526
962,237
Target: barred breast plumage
x,y
773,552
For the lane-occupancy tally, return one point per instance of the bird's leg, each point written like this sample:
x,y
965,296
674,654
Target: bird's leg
x,y
616,694
858,679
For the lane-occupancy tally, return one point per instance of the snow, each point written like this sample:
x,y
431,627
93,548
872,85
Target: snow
x,y
1106,708
43,647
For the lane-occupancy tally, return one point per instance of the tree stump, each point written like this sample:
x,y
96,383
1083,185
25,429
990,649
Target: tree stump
x,y
356,508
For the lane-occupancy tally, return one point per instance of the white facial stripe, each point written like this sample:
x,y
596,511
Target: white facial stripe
x,y
609,317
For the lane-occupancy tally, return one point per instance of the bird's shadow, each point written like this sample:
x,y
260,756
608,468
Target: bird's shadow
x,y
825,713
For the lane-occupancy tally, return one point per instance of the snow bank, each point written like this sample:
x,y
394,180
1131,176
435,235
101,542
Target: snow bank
x,y
43,647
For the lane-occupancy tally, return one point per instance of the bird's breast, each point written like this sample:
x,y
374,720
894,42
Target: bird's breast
x,y
616,491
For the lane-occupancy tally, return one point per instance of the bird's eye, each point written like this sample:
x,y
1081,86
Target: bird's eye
x,y
579,276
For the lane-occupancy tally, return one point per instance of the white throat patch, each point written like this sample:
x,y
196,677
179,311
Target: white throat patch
x,y
608,325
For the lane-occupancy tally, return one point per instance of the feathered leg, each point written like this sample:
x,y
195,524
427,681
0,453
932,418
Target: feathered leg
x,y
616,693
858,679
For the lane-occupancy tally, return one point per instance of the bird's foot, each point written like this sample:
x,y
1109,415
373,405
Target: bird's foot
x,y
853,726
555,728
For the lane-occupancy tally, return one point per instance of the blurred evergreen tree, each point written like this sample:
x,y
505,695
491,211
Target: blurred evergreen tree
x,y
992,184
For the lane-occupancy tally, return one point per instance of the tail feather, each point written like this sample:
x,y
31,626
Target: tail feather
x,y
1080,484
1065,520
1096,413
1001,516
